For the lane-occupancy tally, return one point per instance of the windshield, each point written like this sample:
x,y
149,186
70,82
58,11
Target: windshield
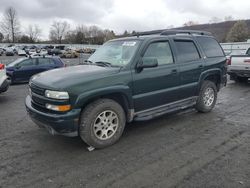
x,y
117,53
15,62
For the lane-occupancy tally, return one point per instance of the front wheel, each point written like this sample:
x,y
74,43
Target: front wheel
x,y
207,97
102,123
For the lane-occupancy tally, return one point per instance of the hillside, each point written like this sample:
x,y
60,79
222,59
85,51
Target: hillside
x,y
219,30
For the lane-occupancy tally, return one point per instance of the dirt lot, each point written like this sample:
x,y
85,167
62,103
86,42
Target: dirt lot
x,y
187,149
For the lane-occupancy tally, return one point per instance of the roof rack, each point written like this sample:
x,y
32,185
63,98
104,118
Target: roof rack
x,y
173,32
189,32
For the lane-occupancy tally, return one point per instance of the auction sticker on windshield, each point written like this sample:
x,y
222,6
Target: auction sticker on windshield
x,y
129,43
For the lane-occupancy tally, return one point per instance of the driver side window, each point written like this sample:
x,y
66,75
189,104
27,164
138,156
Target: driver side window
x,y
160,51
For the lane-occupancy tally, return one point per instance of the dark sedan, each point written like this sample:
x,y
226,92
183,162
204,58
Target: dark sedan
x,y
22,69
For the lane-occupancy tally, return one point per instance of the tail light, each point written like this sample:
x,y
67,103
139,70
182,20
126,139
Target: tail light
x,y
2,66
229,61
247,61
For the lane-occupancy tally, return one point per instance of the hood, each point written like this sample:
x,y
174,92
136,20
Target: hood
x,y
62,78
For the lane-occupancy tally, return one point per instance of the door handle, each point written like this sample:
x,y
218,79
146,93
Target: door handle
x,y
200,66
174,71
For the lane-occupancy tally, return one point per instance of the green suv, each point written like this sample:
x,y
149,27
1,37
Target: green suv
x,y
133,78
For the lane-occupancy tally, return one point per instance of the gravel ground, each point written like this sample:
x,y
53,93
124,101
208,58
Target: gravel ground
x,y
187,149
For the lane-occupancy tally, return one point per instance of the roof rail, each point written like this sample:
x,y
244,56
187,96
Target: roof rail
x,y
155,32
172,32
189,32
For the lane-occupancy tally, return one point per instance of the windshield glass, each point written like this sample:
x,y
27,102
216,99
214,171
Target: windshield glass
x,y
15,62
117,53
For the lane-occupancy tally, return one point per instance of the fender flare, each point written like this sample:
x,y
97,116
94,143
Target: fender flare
x,y
88,95
205,74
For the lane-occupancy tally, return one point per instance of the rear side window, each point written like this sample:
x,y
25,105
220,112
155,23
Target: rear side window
x,y
161,51
45,61
210,47
186,51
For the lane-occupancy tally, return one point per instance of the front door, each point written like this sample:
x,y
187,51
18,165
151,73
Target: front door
x,y
25,69
156,86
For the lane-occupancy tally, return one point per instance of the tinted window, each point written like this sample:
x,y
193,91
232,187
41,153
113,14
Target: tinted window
x,y
28,62
161,51
186,51
210,47
45,61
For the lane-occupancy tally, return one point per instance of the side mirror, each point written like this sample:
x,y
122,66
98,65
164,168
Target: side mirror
x,y
148,62
17,66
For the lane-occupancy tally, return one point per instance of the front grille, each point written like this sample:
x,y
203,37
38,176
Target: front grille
x,y
39,101
38,90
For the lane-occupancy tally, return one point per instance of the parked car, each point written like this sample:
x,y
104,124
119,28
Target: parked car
x,y
70,54
9,52
22,69
43,52
1,51
21,52
239,67
4,81
134,78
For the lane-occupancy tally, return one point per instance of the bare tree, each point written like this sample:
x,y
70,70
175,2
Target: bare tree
x,y
190,23
33,32
58,31
215,20
1,37
10,23
238,33
228,18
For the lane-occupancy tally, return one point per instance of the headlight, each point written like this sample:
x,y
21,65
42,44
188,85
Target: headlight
x,y
57,94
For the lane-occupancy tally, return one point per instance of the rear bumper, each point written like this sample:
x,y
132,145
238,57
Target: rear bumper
x,y
4,85
240,73
57,124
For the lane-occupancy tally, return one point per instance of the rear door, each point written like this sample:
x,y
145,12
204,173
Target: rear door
x,y
190,65
159,85
45,64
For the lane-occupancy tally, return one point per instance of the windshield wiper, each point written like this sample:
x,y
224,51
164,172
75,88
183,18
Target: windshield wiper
x,y
86,62
103,63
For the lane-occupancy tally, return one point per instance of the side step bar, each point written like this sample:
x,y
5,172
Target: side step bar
x,y
164,109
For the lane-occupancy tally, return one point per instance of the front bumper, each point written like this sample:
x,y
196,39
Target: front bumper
x,y
5,85
57,124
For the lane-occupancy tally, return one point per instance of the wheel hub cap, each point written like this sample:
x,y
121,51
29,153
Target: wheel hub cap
x,y
208,97
106,124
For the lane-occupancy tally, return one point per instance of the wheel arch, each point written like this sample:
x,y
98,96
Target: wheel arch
x,y
122,95
213,75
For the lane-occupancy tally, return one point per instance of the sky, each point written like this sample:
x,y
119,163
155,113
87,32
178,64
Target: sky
x,y
121,15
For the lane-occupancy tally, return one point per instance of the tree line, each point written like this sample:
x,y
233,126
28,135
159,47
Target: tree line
x,y
61,32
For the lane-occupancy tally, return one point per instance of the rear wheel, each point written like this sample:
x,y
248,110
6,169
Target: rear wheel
x,y
207,97
102,123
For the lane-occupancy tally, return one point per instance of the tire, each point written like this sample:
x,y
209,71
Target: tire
x,y
97,120
207,97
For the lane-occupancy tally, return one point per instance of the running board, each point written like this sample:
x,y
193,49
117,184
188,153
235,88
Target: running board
x,y
164,109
